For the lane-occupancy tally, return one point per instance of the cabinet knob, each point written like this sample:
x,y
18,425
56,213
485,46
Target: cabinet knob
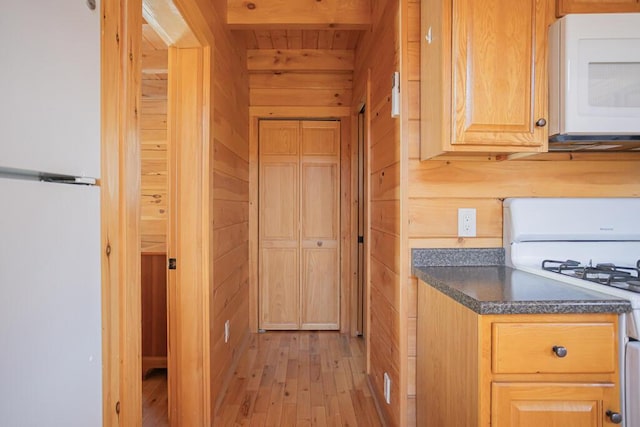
x,y
319,243
615,417
541,123
559,350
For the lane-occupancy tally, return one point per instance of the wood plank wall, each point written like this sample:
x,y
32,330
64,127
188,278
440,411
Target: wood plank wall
x,y
226,191
377,54
229,199
153,143
300,78
437,188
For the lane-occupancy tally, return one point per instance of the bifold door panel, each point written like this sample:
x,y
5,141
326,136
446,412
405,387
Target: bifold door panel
x,y
299,224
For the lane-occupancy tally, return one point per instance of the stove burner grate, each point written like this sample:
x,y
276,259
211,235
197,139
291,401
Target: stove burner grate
x,y
608,274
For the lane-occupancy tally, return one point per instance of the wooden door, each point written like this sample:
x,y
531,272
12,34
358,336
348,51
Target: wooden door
x,y
299,224
552,404
320,225
278,225
499,73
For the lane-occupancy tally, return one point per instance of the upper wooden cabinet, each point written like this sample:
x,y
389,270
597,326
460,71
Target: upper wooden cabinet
x,y
597,6
484,76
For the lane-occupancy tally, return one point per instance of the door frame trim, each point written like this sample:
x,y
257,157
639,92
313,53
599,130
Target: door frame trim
x,y
121,43
347,265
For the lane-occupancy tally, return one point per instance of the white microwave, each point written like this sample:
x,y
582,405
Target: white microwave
x,y
594,82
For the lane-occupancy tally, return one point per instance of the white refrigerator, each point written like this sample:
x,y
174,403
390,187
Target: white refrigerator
x,y
50,278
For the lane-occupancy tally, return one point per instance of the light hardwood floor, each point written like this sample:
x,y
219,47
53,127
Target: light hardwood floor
x,y
295,379
300,379
154,399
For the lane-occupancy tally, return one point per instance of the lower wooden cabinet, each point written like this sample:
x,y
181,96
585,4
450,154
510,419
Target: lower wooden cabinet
x,y
513,370
154,311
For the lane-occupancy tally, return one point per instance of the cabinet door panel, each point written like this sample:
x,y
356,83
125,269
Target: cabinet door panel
x,y
597,6
499,72
551,404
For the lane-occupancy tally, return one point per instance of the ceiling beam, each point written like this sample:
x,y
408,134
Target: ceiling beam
x,y
300,14
165,19
299,60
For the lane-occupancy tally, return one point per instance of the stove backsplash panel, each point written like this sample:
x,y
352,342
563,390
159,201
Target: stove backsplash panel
x,y
457,257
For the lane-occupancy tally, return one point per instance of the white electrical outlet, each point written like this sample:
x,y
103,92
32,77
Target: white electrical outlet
x,y
466,222
387,388
226,331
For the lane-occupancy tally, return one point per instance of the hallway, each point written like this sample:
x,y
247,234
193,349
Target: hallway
x,y
300,379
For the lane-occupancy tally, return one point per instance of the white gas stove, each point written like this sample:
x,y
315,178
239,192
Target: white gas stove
x,y
589,243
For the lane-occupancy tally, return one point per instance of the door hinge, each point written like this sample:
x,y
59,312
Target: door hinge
x,y
172,263
360,239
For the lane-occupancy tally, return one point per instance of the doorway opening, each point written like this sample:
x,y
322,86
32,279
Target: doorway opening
x,y
175,98
153,226
361,202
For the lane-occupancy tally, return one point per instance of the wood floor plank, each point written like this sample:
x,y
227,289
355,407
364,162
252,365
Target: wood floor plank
x,y
154,399
288,415
302,379
245,411
303,415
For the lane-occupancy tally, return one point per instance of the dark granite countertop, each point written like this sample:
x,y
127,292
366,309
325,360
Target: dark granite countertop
x,y
497,289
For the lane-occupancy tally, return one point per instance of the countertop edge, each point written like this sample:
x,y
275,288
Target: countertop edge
x,y
522,307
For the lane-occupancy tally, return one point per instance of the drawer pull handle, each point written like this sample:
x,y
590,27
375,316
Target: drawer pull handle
x,y
559,350
615,417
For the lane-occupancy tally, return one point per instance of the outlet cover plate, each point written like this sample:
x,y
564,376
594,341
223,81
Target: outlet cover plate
x,y
387,388
466,222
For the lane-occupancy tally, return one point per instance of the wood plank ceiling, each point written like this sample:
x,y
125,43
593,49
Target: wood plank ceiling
x,y
301,39
299,24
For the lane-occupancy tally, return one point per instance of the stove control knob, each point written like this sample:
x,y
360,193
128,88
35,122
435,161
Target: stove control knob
x,y
615,417
559,350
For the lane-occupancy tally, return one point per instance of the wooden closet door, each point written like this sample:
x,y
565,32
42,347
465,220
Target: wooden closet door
x,y
279,225
320,225
299,252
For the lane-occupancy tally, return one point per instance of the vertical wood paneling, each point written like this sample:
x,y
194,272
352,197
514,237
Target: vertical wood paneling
x,y
386,293
120,189
188,284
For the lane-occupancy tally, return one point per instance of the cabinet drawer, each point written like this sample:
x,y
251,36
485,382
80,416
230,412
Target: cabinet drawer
x,y
527,348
